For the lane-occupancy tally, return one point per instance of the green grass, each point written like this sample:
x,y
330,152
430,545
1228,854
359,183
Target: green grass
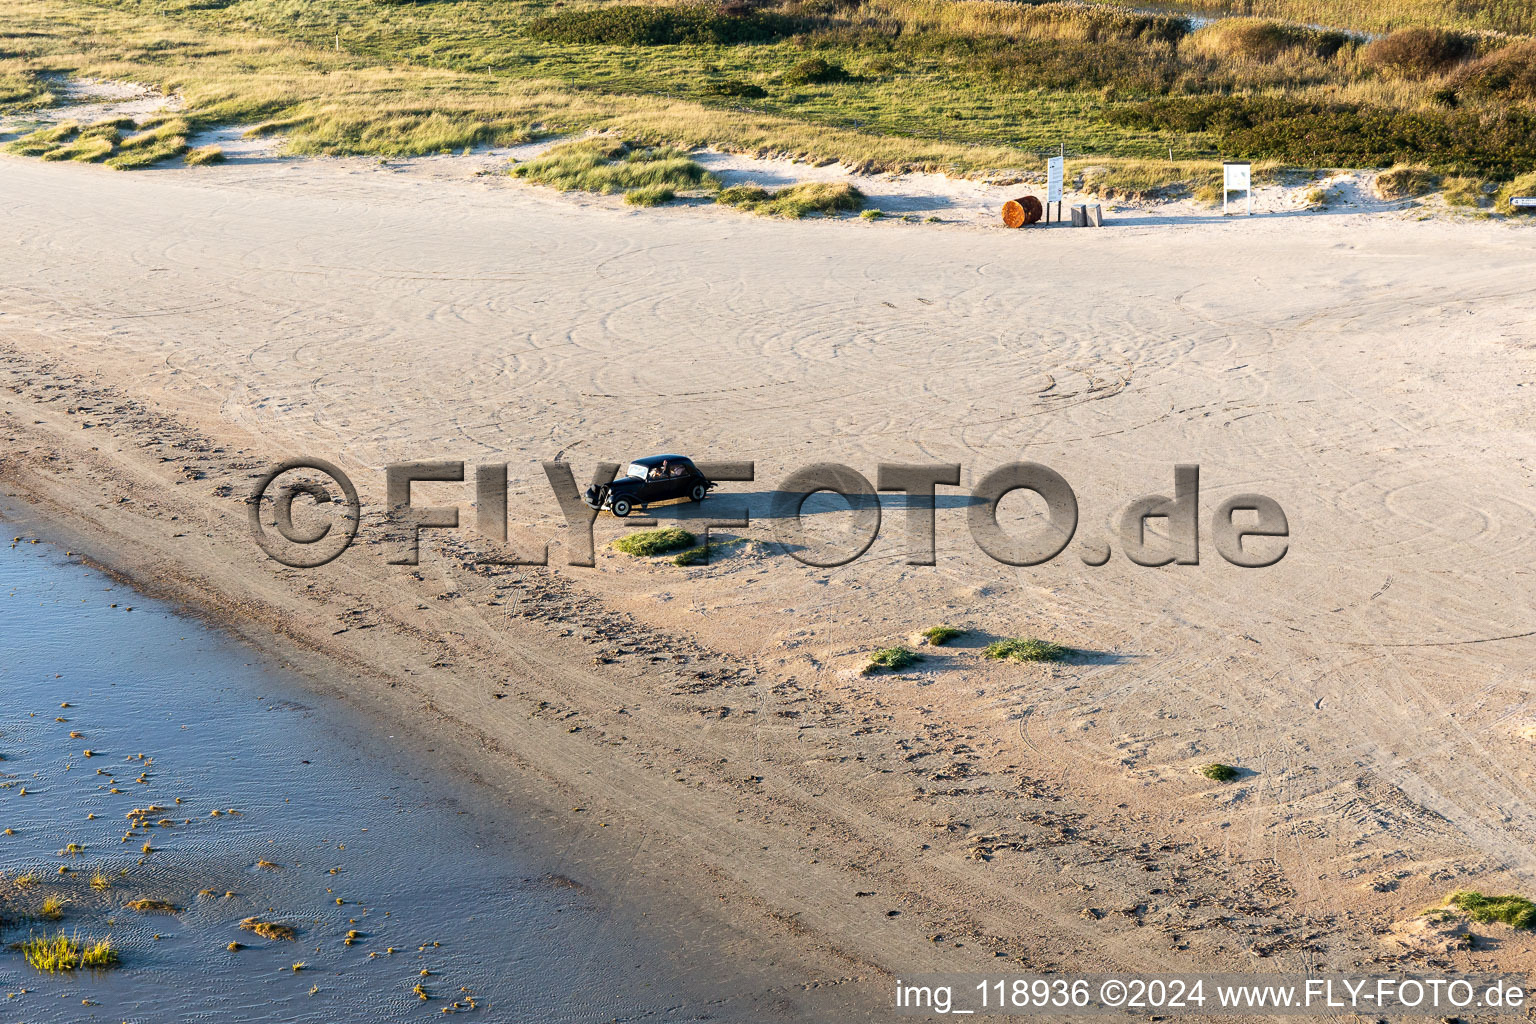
x,y
1464,192
44,140
205,155
1025,649
643,173
938,636
1515,911
795,201
62,953
879,85
892,659
650,195
1219,772
1525,185
22,90
646,543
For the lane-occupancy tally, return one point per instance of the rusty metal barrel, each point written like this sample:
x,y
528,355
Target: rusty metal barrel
x,y
1024,210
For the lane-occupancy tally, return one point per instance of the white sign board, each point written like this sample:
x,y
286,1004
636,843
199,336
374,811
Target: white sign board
x,y
1523,201
1236,177
1055,172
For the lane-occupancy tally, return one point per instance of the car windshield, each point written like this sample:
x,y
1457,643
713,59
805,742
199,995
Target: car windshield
x,y
637,471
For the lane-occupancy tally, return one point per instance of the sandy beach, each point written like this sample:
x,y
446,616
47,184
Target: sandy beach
x,y
166,337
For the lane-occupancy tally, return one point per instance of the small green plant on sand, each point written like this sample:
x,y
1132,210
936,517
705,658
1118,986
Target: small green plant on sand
x,y
66,953
872,214
1025,649
702,554
892,659
938,636
646,543
1515,911
1219,772
795,201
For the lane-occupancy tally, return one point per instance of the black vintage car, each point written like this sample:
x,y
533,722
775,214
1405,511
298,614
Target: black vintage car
x,y
647,481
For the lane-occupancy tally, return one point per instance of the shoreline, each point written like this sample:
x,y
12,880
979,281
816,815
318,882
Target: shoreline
x,y
518,795
301,781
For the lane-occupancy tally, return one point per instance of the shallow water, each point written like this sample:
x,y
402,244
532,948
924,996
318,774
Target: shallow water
x,y
355,844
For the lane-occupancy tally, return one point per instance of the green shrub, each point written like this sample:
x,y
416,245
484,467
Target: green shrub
x,y
892,659
815,71
736,87
1507,74
872,214
1219,772
795,201
1515,911
1255,39
639,25
646,543
1025,649
1419,52
1314,132
941,635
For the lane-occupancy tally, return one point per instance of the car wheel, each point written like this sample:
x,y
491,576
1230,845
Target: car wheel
x,y
621,507
699,490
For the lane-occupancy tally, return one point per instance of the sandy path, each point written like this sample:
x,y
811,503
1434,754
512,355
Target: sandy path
x,y
1368,373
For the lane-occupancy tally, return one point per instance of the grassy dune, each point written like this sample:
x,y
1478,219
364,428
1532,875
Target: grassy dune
x,y
953,85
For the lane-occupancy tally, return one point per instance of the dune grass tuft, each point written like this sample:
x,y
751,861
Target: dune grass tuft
x,y
1525,185
892,659
1219,772
62,953
938,636
270,929
204,155
149,906
1515,911
647,543
795,201
650,195
1405,182
44,140
608,165
1025,649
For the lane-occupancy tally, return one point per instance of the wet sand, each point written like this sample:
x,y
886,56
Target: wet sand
x,y
271,802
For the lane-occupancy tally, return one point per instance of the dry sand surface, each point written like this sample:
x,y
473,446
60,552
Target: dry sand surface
x,y
166,336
